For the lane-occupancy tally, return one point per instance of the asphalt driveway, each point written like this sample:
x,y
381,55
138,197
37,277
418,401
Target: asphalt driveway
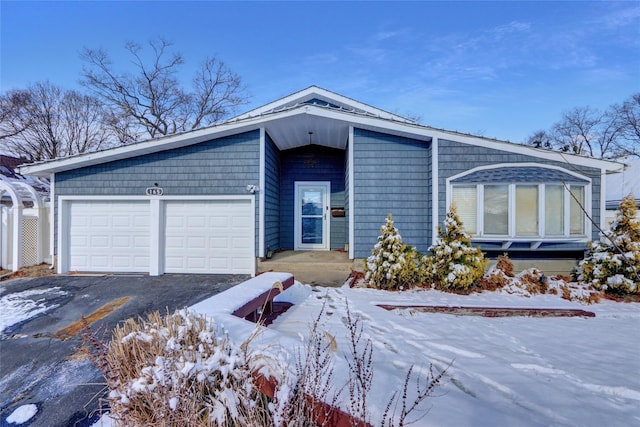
x,y
39,359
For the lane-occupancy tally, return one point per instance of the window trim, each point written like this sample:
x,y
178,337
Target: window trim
x,y
541,237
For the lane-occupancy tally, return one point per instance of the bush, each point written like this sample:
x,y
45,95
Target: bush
x,y
454,264
613,263
181,370
498,277
392,264
177,370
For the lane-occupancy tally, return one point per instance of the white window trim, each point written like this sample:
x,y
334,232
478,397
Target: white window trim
x,y
541,237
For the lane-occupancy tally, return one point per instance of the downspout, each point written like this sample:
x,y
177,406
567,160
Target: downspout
x,y
52,218
434,190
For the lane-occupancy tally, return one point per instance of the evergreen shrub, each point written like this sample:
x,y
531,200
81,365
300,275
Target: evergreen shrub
x,y
453,263
392,264
612,264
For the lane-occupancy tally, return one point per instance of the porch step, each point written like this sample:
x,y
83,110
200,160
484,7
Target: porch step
x,y
326,268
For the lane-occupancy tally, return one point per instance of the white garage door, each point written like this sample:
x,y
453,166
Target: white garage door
x,y
109,236
209,236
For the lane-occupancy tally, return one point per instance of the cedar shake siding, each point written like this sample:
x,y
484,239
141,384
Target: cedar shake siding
x,y
391,174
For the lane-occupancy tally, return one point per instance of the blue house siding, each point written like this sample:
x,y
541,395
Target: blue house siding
x,y
455,157
391,175
218,167
312,163
272,196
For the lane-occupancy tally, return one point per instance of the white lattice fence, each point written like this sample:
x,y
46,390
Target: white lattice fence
x,y
30,241
24,226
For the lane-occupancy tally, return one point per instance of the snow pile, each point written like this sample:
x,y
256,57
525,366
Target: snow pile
x,y
18,307
22,414
532,282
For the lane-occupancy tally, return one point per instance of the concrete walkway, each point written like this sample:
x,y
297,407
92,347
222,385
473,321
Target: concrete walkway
x,y
323,268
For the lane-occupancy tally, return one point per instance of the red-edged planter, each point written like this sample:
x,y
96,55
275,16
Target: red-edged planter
x,y
494,311
262,308
322,413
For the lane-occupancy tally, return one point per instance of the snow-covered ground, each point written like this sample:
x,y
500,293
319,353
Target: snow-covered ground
x,y
510,371
516,371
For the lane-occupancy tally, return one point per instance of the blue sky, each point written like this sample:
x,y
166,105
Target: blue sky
x,y
498,69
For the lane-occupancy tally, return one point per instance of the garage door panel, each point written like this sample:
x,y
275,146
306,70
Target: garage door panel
x,y
141,242
100,262
141,262
109,236
196,243
197,263
99,221
218,243
173,262
196,221
121,221
204,229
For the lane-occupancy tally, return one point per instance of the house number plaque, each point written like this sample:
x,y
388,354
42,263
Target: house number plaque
x,y
154,191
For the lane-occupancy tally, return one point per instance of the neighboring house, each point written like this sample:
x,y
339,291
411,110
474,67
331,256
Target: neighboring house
x,y
312,171
621,185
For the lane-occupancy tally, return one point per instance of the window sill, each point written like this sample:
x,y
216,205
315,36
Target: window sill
x,y
534,242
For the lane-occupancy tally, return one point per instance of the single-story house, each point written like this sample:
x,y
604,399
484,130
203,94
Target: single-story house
x,y
313,171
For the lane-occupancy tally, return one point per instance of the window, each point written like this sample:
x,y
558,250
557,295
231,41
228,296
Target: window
x,y
526,210
521,210
576,208
496,209
466,200
554,210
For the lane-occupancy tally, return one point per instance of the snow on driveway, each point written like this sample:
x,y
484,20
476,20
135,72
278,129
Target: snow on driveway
x,y
19,307
516,371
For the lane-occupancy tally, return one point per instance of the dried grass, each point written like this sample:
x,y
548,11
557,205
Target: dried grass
x,y
505,265
176,370
181,370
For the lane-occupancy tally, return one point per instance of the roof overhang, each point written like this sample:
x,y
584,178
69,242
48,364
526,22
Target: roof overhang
x,y
289,129
299,124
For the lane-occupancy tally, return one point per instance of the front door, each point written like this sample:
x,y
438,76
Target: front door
x,y
311,213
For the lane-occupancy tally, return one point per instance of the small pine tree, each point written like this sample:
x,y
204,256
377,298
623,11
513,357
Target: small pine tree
x,y
454,264
392,264
613,263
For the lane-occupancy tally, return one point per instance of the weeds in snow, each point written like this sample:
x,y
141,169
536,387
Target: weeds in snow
x,y
181,369
399,409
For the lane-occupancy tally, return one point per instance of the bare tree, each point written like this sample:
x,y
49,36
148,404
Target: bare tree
x,y
628,117
45,122
13,120
591,132
151,99
583,130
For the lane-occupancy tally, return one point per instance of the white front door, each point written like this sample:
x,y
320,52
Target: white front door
x,y
311,215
